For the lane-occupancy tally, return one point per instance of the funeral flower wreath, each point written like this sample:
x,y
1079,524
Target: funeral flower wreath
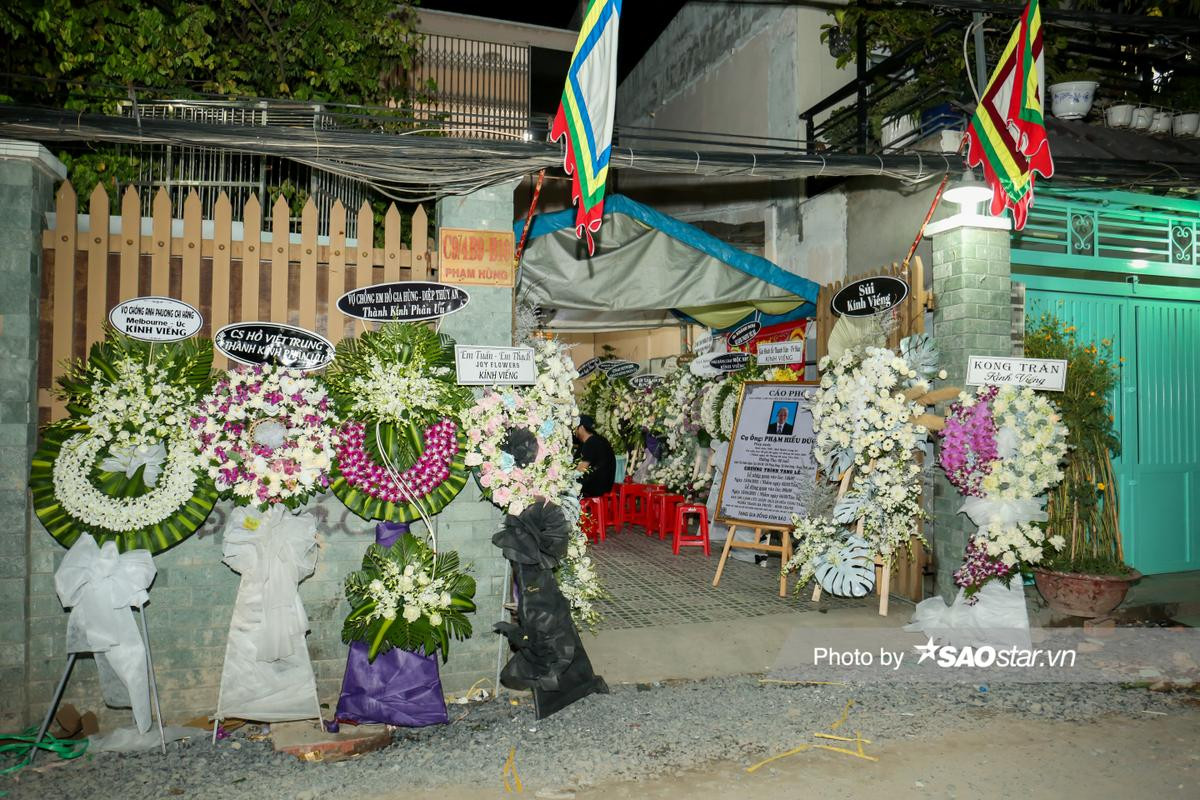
x,y
864,419
520,437
123,465
409,597
1003,447
399,454
265,434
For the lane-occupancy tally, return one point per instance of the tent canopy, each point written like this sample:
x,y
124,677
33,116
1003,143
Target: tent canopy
x,y
650,270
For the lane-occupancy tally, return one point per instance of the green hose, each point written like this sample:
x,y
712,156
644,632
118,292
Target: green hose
x,y
23,745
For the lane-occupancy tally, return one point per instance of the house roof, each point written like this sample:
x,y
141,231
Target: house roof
x,y
1075,139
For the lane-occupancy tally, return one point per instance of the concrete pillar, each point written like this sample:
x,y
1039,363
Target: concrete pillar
x,y
28,173
972,317
467,524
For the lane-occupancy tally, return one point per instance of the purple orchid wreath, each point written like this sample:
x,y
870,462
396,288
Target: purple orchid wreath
x,y
1001,448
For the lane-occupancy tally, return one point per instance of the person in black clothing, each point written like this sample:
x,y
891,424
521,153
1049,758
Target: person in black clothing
x,y
597,462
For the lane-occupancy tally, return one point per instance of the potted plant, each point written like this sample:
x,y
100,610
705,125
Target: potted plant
x,y
1087,576
1072,93
1119,113
894,118
1184,96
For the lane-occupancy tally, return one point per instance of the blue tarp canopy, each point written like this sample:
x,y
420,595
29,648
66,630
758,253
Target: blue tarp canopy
x,y
650,269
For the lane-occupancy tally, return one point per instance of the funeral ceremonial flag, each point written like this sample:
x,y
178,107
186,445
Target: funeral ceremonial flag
x,y
585,116
1007,134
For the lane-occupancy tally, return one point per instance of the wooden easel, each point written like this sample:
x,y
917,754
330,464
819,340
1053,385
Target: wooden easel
x,y
762,543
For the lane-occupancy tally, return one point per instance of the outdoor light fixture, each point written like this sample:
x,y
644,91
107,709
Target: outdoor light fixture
x,y
969,195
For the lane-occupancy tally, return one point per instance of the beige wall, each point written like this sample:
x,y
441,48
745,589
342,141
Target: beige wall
x,y
743,69
639,346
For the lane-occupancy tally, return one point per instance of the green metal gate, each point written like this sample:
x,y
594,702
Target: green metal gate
x,y
1069,258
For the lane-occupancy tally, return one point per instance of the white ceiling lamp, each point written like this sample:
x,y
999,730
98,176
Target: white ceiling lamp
x,y
969,195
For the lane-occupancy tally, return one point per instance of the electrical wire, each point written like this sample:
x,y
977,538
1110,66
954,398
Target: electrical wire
x,y
407,167
415,168
967,59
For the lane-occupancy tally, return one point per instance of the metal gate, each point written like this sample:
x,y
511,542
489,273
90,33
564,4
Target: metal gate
x,y
1156,406
1126,266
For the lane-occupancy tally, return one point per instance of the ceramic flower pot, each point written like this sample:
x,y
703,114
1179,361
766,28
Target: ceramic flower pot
x,y
1186,124
1142,117
1081,595
1120,116
1161,123
1072,99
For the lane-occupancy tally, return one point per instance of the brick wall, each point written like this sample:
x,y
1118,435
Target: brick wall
x,y
469,523
27,176
972,316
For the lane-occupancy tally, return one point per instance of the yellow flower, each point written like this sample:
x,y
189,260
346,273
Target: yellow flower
x,y
1091,394
1100,486
1121,359
1106,342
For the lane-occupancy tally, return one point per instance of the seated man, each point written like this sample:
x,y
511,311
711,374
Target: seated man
x,y
597,462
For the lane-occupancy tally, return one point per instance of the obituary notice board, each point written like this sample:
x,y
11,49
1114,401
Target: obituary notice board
x,y
770,456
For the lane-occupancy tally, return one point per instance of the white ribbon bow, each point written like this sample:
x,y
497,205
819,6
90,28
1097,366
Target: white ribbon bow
x,y
273,551
130,459
987,511
100,585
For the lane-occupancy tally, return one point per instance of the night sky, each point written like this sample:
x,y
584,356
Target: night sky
x,y
641,20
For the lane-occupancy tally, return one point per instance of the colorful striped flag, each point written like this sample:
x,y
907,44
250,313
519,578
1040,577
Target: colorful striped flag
x,y
1007,134
585,116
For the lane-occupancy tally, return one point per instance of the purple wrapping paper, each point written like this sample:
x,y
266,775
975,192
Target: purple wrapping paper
x,y
400,688
386,533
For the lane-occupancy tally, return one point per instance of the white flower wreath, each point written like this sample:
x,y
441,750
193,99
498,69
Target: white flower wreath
x,y
82,500
123,466
134,411
547,411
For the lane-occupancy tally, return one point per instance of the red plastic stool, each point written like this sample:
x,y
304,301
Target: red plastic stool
x,y
654,517
681,537
633,504
612,507
666,520
597,520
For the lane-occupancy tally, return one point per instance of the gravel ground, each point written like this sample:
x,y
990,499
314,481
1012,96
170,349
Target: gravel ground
x,y
636,732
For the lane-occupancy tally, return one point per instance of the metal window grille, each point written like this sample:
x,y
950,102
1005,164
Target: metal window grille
x,y
209,171
482,88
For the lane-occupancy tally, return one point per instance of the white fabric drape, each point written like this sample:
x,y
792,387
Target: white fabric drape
x,y
100,585
997,618
268,676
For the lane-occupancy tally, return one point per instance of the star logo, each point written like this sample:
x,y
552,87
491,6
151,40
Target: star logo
x,y
927,650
